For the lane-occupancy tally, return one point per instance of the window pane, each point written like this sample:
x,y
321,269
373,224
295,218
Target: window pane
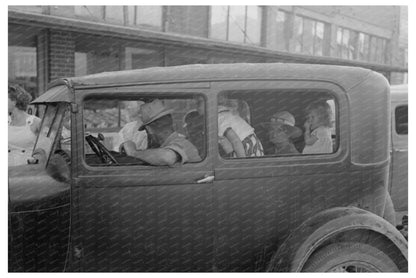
x,y
118,120
308,35
380,51
22,67
384,58
365,47
138,58
319,39
253,25
149,17
275,123
373,49
353,44
93,12
339,42
80,63
131,10
345,43
401,120
361,47
114,13
280,22
298,33
219,22
237,23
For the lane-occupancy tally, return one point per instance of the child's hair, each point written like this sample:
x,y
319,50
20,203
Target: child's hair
x,y
324,111
20,96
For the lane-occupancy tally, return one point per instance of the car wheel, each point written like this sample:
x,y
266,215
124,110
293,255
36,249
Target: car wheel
x,y
350,257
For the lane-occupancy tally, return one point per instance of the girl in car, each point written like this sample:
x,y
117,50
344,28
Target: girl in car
x,y
236,136
318,128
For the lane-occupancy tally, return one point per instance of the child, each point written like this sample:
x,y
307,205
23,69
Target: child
x,y
318,128
281,131
236,136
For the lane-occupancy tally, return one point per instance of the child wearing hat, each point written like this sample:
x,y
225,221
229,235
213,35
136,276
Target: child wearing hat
x,y
282,131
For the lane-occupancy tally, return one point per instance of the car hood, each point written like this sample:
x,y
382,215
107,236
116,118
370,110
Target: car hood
x,y
32,188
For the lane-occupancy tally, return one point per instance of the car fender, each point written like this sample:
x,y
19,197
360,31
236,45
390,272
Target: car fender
x,y
304,240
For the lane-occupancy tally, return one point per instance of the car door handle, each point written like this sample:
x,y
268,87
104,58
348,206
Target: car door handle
x,y
206,179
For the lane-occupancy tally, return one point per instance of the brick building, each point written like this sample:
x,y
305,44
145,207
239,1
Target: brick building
x,y
48,42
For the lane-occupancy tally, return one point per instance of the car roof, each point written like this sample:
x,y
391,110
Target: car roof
x,y
399,93
218,72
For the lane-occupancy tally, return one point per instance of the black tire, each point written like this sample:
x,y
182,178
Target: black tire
x,y
350,257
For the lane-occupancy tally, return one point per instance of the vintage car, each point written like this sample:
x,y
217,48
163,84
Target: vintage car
x,y
399,158
81,205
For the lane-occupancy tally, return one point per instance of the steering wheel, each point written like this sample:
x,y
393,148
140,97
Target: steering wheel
x,y
102,152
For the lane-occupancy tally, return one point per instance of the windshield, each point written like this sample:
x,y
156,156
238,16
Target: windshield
x,y
49,128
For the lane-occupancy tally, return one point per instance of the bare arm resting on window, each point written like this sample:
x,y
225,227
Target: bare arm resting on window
x,y
157,157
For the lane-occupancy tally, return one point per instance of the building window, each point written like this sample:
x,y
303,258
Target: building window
x,y
22,67
114,13
148,17
309,36
139,58
236,23
353,45
80,63
91,12
363,46
281,20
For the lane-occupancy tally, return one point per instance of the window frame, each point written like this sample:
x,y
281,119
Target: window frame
x,y
341,129
301,41
135,92
228,22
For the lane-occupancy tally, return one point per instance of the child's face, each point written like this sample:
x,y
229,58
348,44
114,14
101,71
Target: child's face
x,y
278,135
314,119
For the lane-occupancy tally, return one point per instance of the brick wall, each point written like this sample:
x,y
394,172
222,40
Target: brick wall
x,y
61,54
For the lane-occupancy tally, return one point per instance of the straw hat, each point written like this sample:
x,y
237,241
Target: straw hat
x,y
285,119
152,111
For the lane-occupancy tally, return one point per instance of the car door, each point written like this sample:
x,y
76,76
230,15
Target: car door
x,y
259,200
399,167
141,217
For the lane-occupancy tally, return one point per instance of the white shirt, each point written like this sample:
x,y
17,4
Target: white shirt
x,y
226,119
323,144
131,132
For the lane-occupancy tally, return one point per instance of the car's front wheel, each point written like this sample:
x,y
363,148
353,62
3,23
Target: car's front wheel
x,y
350,257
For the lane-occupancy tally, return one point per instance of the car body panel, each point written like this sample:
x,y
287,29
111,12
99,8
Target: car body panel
x,y
148,218
399,168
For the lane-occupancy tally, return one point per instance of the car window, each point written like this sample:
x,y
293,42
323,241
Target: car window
x,y
268,123
114,121
49,128
401,117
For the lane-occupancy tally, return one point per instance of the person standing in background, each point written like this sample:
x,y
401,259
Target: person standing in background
x,y
23,128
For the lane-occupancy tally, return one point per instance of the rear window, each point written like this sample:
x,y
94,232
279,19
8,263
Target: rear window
x,y
276,123
401,117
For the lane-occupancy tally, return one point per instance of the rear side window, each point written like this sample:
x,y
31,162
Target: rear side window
x,y
268,123
401,117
